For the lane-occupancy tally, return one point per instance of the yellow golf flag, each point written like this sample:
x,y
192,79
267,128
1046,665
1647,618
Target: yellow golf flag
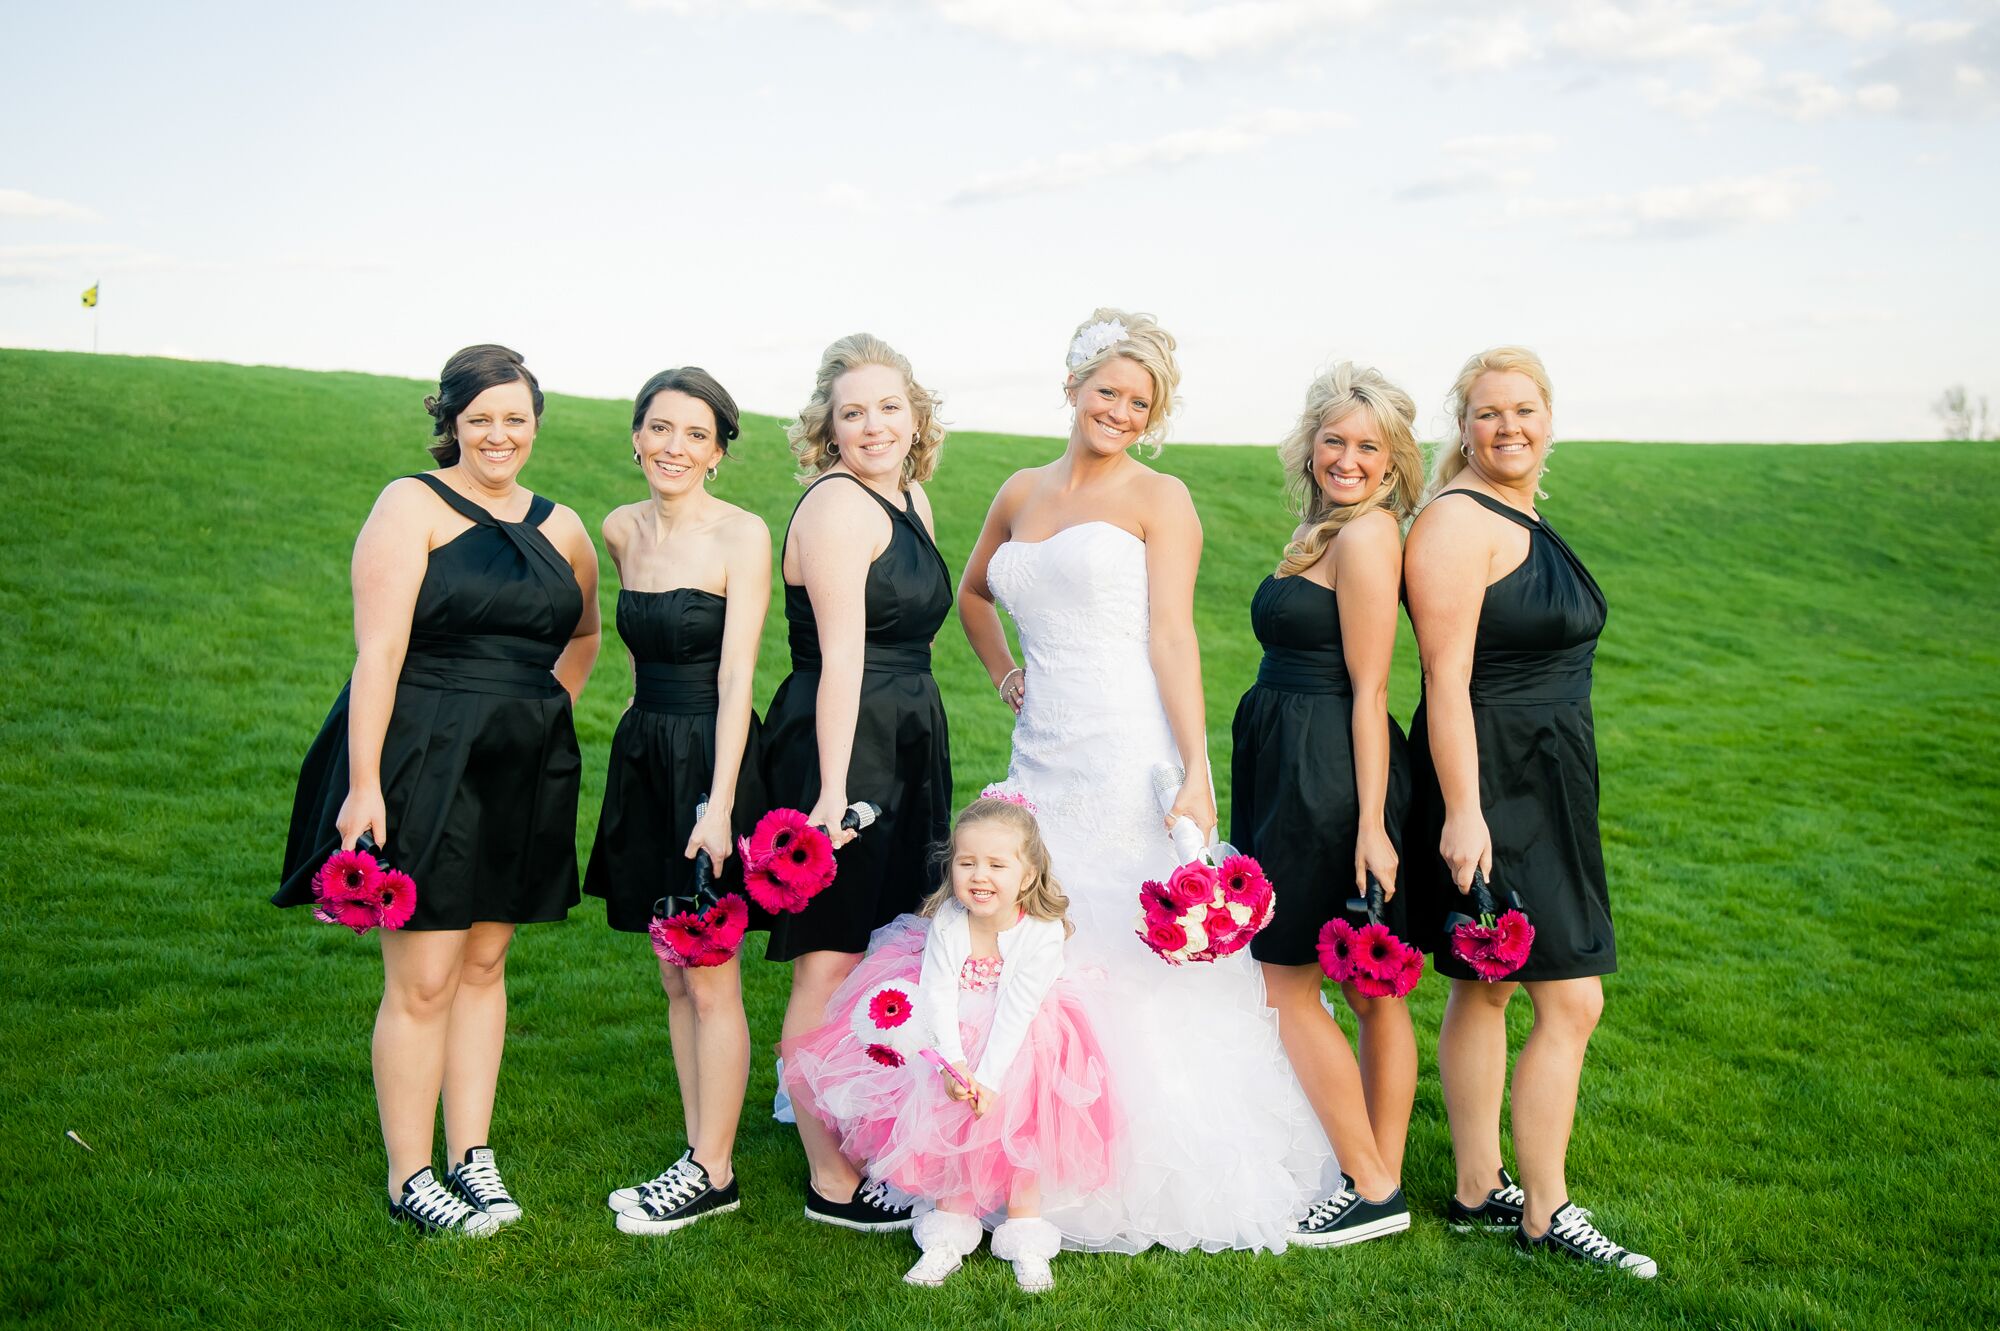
x,y
90,297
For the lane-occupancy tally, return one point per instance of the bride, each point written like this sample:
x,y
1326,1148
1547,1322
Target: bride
x,y
1094,557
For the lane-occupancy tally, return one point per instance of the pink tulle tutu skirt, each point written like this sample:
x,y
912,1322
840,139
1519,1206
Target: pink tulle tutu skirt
x,y
1054,1122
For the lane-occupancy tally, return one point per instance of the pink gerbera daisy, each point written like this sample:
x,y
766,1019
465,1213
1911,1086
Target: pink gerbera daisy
x,y
702,938
773,832
884,1055
1378,953
804,862
1243,881
1336,950
889,1009
1514,936
396,898
356,915
347,875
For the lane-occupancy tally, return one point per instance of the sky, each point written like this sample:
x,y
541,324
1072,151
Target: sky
x,y
1714,220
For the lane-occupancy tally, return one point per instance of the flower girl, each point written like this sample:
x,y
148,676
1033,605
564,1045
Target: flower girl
x,y
1006,1103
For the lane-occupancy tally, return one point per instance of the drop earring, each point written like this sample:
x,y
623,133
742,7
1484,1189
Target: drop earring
x,y
635,456
712,471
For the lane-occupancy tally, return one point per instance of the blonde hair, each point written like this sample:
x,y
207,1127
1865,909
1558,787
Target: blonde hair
x,y
811,435
1041,896
1147,344
1449,460
1347,388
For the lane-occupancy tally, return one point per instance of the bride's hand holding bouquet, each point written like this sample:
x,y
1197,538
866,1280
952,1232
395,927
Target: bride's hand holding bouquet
x,y
1194,801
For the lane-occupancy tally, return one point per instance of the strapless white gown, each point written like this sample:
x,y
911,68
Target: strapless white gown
x,y
1222,1149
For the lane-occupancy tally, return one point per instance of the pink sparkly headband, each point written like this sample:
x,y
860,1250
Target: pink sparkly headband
x,y
1010,796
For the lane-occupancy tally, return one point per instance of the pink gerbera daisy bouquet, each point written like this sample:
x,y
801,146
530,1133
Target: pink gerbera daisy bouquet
x,y
1496,942
701,937
886,1022
358,891
1209,907
786,861
1372,959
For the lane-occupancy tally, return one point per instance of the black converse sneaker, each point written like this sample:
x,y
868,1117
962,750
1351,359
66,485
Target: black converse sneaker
x,y
868,1210
685,1197
624,1199
427,1205
1348,1217
1571,1233
477,1180
1499,1213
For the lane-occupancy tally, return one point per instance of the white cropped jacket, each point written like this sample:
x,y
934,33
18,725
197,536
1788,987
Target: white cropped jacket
x,y
1031,960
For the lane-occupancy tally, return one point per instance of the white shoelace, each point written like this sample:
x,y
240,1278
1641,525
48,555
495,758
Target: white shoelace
x,y
1330,1210
1577,1231
674,1189
482,1180
433,1205
876,1194
1511,1195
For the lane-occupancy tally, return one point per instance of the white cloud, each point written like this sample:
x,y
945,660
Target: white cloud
x,y
1500,145
1188,29
1238,134
1484,42
1474,180
1878,96
1681,210
1939,30
19,205
1859,19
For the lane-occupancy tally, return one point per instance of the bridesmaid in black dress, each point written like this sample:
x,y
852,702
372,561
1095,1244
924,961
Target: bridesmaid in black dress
x,y
859,717
1507,620
475,619
694,578
1320,776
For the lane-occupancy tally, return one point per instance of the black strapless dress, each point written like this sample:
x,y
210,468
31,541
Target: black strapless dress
x,y
479,764
1292,791
902,749
1531,671
663,758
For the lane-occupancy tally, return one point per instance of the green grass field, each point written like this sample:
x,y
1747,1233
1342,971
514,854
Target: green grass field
x,y
1791,1103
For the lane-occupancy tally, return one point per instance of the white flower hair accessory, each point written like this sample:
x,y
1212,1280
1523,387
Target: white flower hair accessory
x,y
1104,333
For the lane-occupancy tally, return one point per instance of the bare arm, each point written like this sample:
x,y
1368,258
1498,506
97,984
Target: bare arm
x,y
614,530
976,610
566,532
1173,555
1368,573
1446,569
838,532
747,585
390,556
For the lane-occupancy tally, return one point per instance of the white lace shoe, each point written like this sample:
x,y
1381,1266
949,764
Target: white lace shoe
x,y
477,1182
624,1199
945,1238
430,1207
1030,1243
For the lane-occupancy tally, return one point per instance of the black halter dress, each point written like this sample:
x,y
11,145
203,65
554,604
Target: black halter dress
x,y
663,758
1538,789
479,764
902,752
1294,805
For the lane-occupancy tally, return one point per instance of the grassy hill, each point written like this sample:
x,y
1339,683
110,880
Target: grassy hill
x,y
1790,1102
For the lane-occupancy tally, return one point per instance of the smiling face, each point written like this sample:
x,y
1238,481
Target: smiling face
x,y
1113,406
872,422
987,871
1506,427
1349,458
677,443
496,432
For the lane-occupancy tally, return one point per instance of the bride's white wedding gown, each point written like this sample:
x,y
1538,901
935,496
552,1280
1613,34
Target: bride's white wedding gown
x,y
1223,1150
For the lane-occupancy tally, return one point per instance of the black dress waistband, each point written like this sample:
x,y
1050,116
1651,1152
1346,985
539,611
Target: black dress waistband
x,y
1298,670
1513,679
876,658
685,688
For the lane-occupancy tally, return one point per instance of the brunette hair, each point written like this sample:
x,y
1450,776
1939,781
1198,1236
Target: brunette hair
x,y
696,383
1041,896
470,372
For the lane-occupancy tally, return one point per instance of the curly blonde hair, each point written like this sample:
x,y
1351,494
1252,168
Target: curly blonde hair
x,y
1041,896
811,435
1449,461
1345,388
1146,343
